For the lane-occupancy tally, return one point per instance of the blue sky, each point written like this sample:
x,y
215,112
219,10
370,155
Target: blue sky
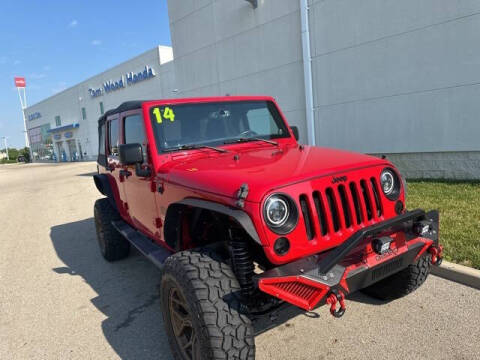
x,y
57,44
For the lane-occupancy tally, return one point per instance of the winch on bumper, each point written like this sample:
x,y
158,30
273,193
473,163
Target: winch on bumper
x,y
368,256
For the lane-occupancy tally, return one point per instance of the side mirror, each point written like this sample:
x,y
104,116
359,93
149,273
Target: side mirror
x,y
295,132
130,154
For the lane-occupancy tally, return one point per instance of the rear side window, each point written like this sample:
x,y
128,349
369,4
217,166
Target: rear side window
x,y
113,137
101,140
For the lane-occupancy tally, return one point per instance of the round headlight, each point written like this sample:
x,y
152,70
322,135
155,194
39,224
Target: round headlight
x,y
280,213
277,211
390,184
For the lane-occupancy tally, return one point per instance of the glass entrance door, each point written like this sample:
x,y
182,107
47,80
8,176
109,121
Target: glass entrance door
x,y
72,149
62,155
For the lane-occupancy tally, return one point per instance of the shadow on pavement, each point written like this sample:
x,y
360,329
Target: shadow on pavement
x,y
365,299
128,294
128,291
88,174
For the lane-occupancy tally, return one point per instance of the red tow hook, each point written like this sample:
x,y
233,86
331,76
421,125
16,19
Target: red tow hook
x,y
332,301
437,254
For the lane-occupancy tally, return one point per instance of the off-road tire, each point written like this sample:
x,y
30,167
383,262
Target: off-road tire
x,y
402,283
113,245
210,290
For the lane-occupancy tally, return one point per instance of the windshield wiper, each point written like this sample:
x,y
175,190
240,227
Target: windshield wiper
x,y
193,147
244,139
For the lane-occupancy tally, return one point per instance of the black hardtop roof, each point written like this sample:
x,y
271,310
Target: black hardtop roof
x,y
125,106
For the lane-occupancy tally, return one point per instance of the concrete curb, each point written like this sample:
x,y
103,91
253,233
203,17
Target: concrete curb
x,y
458,273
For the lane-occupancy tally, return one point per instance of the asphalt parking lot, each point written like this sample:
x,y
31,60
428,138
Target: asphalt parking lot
x,y
60,300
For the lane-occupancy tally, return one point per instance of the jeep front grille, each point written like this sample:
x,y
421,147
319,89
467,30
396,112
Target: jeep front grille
x,y
340,207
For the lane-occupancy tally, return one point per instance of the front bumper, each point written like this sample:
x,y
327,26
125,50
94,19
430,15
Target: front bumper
x,y
309,282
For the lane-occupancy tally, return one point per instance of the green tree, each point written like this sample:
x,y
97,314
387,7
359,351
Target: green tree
x,y
26,153
12,154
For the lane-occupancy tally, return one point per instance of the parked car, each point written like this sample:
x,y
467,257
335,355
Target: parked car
x,y
241,218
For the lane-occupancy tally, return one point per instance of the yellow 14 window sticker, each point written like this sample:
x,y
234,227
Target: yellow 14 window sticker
x,y
165,113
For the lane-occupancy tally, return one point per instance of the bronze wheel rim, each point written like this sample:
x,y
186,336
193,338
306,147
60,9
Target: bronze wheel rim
x,y
182,326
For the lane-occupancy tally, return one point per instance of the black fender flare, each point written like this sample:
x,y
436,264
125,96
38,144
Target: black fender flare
x,y
103,185
239,215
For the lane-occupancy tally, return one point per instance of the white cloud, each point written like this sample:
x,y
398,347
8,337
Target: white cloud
x,y
47,68
36,76
96,42
16,62
73,23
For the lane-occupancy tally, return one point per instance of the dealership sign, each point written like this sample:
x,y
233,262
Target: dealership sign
x,y
34,116
20,82
124,81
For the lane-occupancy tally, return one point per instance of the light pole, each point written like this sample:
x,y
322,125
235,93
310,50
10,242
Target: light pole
x,y
6,146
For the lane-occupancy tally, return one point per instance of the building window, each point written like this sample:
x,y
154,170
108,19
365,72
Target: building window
x,y
84,114
58,122
101,108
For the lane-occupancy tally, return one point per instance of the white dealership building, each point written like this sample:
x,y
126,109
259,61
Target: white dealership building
x,y
64,127
380,77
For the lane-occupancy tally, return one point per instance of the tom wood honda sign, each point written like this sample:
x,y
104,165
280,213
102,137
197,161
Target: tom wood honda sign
x,y
125,80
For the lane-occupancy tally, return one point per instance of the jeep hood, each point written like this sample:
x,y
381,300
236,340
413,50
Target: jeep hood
x,y
262,168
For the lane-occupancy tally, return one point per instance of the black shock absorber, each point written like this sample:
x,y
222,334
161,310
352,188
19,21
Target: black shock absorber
x,y
242,262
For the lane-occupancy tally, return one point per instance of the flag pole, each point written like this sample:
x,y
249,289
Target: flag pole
x,y
23,104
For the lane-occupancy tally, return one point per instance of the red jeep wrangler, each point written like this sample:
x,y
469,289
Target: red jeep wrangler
x,y
242,219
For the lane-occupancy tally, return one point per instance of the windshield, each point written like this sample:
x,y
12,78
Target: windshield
x,y
215,124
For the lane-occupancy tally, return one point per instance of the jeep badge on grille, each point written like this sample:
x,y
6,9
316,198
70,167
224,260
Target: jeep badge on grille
x,y
337,179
